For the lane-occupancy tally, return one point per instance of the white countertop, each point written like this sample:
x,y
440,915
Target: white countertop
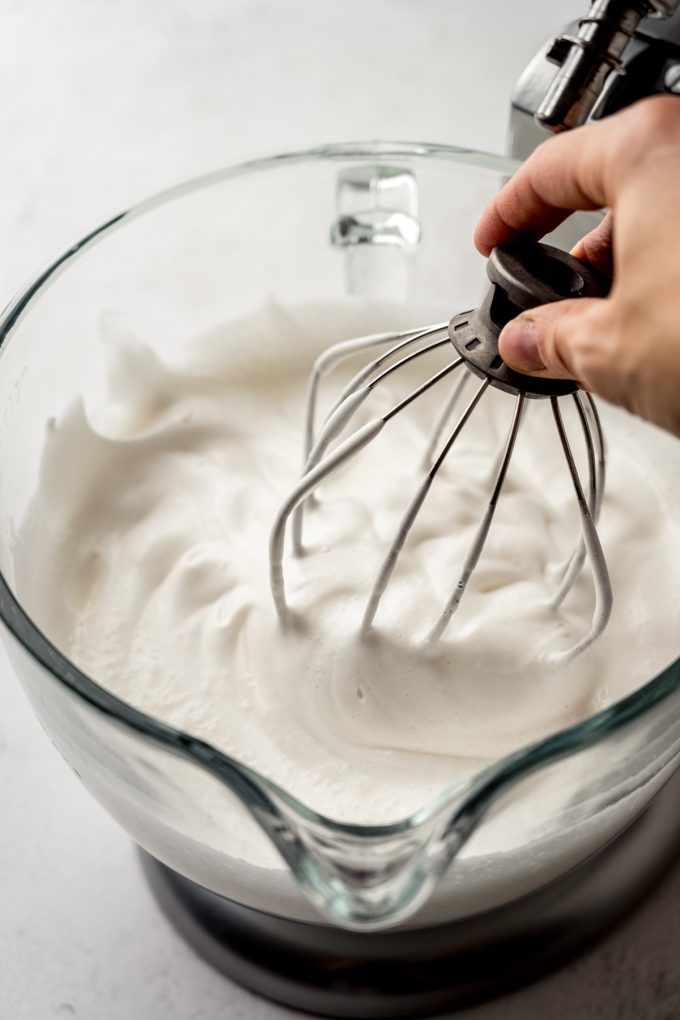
x,y
101,104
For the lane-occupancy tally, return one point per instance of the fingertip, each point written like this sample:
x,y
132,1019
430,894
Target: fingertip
x,y
578,251
597,247
486,234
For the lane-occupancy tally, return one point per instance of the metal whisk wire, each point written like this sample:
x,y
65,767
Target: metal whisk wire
x,y
354,394
320,465
335,355
594,439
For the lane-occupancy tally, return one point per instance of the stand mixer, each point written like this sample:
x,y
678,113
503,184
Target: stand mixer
x,y
619,53
133,764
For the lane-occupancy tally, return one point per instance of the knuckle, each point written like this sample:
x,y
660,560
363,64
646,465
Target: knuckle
x,y
654,121
658,112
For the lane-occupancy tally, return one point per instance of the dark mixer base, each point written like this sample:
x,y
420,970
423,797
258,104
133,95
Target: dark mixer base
x,y
329,971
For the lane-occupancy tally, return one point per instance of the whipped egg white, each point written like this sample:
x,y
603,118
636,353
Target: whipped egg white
x,y
144,558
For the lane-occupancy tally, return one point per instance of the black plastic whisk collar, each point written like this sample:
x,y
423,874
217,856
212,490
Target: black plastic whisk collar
x,y
523,276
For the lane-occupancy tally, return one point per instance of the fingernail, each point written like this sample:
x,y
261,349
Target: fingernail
x,y
520,345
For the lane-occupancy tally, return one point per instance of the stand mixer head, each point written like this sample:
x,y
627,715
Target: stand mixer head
x,y
522,276
621,51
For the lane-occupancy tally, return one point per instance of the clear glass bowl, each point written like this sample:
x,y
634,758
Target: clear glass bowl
x,y
297,227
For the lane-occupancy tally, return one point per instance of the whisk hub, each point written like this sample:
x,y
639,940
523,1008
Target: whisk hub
x,y
522,276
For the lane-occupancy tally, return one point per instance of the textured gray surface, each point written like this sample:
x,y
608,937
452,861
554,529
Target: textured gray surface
x,y
102,103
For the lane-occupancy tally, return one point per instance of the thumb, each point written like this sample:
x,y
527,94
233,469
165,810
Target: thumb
x,y
548,341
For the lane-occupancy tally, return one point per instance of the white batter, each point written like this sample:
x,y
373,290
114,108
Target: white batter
x,y
156,497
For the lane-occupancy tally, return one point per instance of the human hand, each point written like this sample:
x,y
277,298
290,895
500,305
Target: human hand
x,y
625,347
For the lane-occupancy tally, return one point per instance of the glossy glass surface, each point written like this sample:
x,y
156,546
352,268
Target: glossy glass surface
x,y
208,251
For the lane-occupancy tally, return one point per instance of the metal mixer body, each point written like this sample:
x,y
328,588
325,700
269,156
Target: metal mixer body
x,y
621,51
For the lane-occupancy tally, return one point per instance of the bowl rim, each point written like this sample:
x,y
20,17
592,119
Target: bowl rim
x,y
469,799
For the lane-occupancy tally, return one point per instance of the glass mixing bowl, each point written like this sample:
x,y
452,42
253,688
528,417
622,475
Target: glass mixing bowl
x,y
384,221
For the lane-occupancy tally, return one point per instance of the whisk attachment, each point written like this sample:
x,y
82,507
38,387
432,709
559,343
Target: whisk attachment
x,y
522,276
